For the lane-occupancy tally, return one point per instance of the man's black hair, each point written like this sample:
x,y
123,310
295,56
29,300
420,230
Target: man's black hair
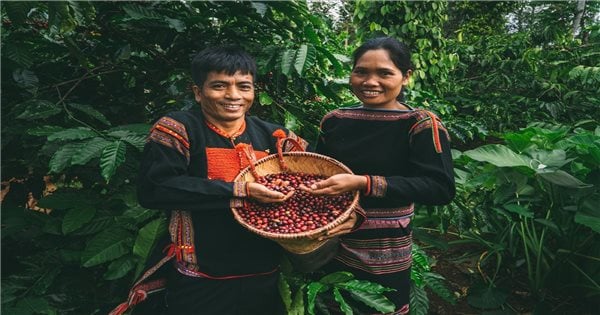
x,y
227,59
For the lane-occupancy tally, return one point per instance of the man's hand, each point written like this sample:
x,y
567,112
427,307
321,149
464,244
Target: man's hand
x,y
263,194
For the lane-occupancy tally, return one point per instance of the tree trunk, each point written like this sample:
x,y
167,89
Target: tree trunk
x,y
578,17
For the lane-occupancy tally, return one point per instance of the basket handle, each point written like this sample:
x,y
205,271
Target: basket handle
x,y
248,150
280,144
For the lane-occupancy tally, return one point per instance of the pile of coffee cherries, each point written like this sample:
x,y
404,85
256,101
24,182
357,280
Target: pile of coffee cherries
x,y
300,213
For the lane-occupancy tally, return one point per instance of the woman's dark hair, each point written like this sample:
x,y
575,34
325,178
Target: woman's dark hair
x,y
228,59
399,53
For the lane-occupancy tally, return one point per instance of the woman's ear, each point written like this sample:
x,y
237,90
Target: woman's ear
x,y
406,77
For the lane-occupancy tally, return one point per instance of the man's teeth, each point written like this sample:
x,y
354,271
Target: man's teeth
x,y
232,106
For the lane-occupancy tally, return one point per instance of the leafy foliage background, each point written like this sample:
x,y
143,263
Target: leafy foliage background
x,y
83,81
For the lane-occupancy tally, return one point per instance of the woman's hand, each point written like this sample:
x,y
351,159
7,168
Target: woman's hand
x,y
336,185
263,194
344,228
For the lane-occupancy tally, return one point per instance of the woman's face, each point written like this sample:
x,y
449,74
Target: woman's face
x,y
376,80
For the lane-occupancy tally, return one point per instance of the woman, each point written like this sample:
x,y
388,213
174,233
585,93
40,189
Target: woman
x,y
403,157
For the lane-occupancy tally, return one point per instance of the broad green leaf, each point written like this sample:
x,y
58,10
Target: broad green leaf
x,y
140,129
562,178
147,236
45,280
44,130
17,12
312,290
137,141
588,213
119,268
291,122
78,133
91,112
520,210
285,292
344,307
18,54
287,59
35,305
62,158
90,149
498,155
374,300
363,286
77,217
38,109
106,246
554,158
138,12
419,302
435,283
486,297
260,8
95,226
264,99
26,79
176,24
112,156
337,277
298,303
301,58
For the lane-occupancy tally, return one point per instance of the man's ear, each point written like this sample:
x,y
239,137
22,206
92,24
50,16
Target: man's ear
x,y
197,93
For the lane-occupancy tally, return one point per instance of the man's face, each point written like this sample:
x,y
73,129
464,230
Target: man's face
x,y
225,98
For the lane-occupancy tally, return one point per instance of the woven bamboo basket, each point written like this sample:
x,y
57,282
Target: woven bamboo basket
x,y
305,162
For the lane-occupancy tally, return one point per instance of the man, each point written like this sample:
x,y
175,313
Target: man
x,y
188,168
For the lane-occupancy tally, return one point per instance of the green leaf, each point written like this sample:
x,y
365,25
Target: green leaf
x,y
17,12
147,237
486,297
301,58
313,289
337,277
264,99
89,150
44,130
64,200
78,133
140,129
91,112
287,59
498,155
588,213
62,158
45,280
76,218
137,141
106,246
435,282
520,210
419,302
285,292
562,178
176,24
18,54
37,109
363,286
344,307
374,300
33,305
26,79
298,303
119,268
112,156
